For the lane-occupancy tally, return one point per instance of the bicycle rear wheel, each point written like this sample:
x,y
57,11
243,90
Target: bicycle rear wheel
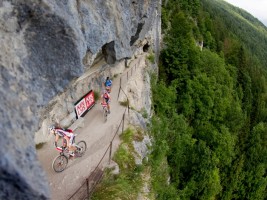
x,y
81,147
60,163
105,114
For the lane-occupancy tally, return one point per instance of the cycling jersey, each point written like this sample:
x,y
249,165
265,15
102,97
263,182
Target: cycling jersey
x,y
106,96
108,83
64,133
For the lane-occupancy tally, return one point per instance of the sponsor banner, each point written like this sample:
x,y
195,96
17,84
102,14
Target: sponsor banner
x,y
84,104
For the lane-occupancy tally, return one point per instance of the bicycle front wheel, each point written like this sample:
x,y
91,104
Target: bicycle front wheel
x,y
81,147
60,163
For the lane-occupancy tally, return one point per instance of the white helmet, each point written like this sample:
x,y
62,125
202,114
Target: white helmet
x,y
51,128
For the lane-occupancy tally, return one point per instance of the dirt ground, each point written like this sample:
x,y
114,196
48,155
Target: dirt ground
x,y
97,135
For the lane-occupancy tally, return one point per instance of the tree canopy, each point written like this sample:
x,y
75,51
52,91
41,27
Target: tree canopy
x,y
210,104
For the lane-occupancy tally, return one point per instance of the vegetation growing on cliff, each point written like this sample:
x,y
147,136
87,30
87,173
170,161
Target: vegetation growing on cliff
x,y
131,178
211,121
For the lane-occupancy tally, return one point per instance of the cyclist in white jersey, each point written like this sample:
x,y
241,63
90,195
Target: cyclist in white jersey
x,y
68,135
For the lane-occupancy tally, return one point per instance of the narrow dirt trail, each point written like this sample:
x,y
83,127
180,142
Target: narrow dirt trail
x,y
97,135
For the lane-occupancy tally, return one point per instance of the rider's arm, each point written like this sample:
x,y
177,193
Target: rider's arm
x,y
56,139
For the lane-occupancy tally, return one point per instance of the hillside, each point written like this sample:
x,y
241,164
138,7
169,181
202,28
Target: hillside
x,y
210,102
249,30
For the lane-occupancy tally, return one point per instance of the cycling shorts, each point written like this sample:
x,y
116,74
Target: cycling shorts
x,y
72,140
107,100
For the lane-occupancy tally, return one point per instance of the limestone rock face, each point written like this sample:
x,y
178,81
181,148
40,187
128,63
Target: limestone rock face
x,y
45,44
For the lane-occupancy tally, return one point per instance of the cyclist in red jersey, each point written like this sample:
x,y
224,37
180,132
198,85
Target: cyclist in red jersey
x,y
106,99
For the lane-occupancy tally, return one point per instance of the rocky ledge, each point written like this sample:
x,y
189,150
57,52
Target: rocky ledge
x,y
44,45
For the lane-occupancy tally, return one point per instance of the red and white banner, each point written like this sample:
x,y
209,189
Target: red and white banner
x,y
85,103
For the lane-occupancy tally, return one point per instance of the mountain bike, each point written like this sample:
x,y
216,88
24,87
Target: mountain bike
x,y
61,161
105,111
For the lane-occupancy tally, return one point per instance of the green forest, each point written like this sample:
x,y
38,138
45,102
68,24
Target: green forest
x,y
210,104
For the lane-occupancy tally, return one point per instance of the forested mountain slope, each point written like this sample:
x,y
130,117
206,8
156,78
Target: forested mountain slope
x,y
210,123
249,30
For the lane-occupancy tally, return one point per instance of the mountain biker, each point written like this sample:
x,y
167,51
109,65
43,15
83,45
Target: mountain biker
x,y
106,99
108,84
67,134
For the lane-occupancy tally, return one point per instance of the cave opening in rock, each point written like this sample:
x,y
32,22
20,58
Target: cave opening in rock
x,y
146,47
108,51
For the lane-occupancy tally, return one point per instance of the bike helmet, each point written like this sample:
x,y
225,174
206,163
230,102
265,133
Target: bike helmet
x,y
51,128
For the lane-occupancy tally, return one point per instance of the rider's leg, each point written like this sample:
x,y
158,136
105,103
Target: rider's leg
x,y
108,108
64,143
71,144
72,148
108,105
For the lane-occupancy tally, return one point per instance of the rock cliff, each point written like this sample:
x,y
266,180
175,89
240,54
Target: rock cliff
x,y
46,45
